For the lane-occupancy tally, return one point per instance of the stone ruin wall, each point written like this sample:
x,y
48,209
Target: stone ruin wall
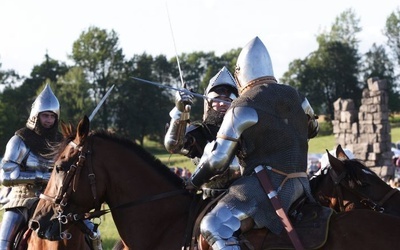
x,y
366,132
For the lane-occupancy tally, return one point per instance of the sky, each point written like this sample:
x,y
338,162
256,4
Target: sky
x,y
288,28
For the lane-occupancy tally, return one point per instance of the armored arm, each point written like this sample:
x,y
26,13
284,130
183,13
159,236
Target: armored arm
x,y
219,154
313,126
14,157
180,115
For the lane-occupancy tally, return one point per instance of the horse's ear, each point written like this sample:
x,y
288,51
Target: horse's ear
x,y
66,129
340,154
83,128
335,163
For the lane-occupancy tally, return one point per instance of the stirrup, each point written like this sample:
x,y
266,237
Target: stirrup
x,y
230,244
97,243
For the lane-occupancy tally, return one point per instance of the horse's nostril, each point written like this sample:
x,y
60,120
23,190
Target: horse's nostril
x,y
34,225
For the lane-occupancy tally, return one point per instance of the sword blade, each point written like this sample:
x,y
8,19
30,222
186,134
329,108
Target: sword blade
x,y
181,90
100,103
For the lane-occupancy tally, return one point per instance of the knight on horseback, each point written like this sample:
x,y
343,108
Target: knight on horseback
x,y
267,127
190,138
27,164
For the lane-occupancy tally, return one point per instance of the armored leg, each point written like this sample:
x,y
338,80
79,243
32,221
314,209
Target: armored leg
x,y
96,240
12,221
219,227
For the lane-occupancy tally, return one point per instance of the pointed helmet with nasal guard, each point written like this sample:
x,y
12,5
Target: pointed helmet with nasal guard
x,y
253,63
45,101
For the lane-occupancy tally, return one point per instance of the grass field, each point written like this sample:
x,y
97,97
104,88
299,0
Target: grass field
x,y
107,227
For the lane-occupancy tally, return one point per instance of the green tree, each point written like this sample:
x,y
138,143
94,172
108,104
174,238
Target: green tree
x,y
8,77
97,52
143,108
73,95
198,68
331,71
376,63
344,29
48,71
16,101
392,32
10,119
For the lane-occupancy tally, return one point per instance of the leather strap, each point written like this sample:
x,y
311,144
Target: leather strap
x,y
273,196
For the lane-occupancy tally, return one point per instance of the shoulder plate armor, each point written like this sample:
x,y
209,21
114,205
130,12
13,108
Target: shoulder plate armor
x,y
313,125
20,166
237,120
16,151
219,154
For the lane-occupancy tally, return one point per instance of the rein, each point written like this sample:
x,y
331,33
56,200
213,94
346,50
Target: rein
x,y
339,183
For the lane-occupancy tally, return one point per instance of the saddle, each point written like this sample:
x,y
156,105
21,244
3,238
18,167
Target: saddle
x,y
310,220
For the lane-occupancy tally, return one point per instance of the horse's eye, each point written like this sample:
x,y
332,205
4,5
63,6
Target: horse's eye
x,y
59,168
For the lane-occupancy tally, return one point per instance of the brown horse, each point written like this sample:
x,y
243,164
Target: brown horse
x,y
348,184
149,204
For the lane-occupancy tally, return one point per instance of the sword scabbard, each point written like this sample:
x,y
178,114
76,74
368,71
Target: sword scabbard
x,y
265,182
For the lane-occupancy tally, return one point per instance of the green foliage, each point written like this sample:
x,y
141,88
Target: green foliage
x,y
73,95
97,52
331,71
138,111
392,32
325,128
377,64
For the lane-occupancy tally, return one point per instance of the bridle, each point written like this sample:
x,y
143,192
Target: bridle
x,y
340,184
70,184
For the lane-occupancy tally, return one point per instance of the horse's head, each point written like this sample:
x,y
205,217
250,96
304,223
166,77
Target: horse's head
x,y
55,210
347,184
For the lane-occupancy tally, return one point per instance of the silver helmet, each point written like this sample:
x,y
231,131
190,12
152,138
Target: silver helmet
x,y
222,84
45,101
253,63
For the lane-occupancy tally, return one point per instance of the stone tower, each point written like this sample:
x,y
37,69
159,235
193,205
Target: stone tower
x,y
366,132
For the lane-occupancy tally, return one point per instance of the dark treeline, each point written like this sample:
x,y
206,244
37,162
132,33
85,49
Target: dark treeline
x,y
138,110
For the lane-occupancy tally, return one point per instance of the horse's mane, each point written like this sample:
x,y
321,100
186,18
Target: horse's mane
x,y
142,152
139,150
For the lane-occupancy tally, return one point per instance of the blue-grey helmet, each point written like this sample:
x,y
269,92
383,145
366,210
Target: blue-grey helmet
x,y
45,101
222,84
253,63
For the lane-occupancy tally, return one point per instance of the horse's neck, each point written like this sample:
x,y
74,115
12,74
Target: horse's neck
x,y
392,202
157,224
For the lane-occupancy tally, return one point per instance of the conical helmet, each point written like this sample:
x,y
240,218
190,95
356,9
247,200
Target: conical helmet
x,y
45,101
222,84
253,62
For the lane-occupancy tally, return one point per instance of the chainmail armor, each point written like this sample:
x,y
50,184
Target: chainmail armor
x,y
279,140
